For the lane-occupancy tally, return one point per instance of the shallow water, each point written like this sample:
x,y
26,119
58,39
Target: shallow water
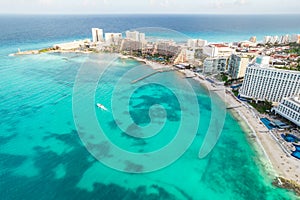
x,y
42,156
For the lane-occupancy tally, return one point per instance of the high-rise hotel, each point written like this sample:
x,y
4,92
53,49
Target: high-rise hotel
x,y
289,108
262,82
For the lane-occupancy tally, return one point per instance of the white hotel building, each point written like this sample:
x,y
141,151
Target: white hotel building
x,y
289,108
266,83
97,35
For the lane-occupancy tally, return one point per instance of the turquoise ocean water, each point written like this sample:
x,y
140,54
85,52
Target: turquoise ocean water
x,y
43,157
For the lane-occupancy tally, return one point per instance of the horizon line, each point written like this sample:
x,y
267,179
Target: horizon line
x,y
234,14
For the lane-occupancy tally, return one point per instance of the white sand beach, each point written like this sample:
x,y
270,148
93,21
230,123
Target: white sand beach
x,y
277,162
271,156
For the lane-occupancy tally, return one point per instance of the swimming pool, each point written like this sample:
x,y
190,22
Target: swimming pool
x,y
297,147
290,138
267,123
296,154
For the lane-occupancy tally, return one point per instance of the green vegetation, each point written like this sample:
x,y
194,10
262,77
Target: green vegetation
x,y
236,93
262,106
224,77
221,77
44,50
294,49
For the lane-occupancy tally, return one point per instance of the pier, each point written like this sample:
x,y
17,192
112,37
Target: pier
x,y
161,70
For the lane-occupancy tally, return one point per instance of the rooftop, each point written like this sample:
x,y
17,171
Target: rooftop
x,y
219,45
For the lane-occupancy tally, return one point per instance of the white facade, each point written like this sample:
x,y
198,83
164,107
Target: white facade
x,y
201,43
266,83
195,43
267,39
113,38
237,66
142,37
214,65
284,39
289,108
192,43
216,50
295,38
274,39
135,36
97,35
132,35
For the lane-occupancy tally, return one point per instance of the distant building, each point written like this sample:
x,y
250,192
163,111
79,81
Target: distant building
x,y
215,65
237,65
142,37
192,43
274,39
167,48
113,38
284,39
289,108
196,43
247,44
266,83
97,35
295,38
131,45
216,50
253,39
135,36
185,55
201,43
267,39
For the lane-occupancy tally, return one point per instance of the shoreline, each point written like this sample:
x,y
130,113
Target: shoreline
x,y
283,170
276,165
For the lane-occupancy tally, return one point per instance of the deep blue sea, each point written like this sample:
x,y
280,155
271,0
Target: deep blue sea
x,y
49,124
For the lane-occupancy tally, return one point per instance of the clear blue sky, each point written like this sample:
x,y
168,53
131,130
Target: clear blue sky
x,y
150,6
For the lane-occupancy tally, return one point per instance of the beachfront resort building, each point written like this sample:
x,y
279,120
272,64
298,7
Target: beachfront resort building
x,y
289,108
215,65
166,48
135,36
185,56
196,43
217,50
97,35
237,65
130,45
113,38
263,82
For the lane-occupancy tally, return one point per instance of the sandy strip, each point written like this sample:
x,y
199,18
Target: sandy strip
x,y
274,160
271,156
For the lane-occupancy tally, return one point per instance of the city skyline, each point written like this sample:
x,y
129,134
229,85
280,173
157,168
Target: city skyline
x,y
149,7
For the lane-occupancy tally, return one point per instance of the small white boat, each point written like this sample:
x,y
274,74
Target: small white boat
x,y
101,106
